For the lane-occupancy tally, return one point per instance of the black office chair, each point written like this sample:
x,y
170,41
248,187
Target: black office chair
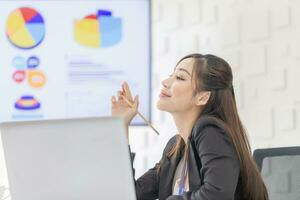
x,y
280,169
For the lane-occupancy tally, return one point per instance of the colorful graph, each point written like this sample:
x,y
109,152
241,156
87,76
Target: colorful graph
x,y
25,28
27,69
98,30
27,102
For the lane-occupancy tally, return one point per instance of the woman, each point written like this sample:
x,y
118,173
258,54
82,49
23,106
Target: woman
x,y
210,158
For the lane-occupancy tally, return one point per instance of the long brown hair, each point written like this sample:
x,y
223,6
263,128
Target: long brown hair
x,y
214,74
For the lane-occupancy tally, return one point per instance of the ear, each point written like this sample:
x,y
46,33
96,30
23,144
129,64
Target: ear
x,y
202,98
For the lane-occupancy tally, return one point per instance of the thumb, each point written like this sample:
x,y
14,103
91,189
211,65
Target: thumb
x,y
136,102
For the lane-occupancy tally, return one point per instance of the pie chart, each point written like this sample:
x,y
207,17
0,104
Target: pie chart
x,y
25,28
99,30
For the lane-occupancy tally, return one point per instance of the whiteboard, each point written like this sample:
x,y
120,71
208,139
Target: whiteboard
x,y
66,58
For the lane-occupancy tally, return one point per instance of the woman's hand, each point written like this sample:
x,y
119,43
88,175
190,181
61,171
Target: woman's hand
x,y
120,108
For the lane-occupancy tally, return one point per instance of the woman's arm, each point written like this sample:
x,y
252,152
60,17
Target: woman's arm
x,y
147,186
220,167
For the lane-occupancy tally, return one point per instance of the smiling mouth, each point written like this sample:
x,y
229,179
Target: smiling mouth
x,y
163,95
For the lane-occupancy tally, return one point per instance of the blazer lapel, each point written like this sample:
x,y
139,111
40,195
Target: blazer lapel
x,y
168,169
194,169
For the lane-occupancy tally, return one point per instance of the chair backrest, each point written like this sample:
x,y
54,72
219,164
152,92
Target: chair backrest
x,y
280,169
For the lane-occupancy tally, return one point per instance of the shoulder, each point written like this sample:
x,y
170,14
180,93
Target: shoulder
x,y
207,122
208,127
172,141
209,134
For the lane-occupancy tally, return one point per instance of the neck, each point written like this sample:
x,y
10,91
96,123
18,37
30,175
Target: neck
x,y
184,123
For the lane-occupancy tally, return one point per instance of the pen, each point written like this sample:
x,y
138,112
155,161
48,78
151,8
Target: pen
x,y
130,104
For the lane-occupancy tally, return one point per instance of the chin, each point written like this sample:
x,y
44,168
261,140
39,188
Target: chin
x,y
163,106
160,105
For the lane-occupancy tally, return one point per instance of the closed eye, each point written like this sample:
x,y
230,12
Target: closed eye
x,y
179,78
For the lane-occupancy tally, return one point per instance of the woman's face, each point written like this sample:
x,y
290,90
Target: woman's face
x,y
177,90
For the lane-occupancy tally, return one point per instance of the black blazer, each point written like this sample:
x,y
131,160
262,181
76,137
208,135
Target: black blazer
x,y
214,171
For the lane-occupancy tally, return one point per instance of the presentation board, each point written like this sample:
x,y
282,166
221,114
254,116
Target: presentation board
x,y
66,58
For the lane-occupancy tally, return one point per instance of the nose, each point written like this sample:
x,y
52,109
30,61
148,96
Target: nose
x,y
166,82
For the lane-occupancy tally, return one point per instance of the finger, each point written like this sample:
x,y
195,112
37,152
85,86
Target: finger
x,y
127,91
123,95
119,94
126,101
113,99
136,102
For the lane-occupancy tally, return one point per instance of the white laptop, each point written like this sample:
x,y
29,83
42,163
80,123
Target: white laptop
x,y
70,159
